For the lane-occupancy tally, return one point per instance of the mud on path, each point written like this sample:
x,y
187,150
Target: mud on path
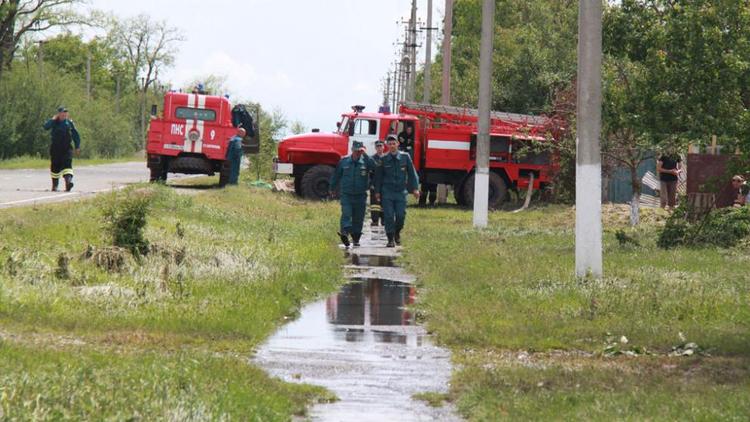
x,y
363,344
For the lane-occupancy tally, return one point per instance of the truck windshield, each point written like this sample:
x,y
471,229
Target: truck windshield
x,y
195,113
343,127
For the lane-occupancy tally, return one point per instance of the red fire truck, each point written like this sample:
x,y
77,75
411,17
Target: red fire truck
x,y
192,136
444,149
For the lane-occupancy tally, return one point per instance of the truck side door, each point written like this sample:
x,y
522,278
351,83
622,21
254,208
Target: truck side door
x,y
366,131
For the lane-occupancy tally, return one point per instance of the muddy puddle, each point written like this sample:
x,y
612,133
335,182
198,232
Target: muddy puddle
x,y
363,344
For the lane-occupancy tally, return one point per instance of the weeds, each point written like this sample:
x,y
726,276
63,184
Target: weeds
x,y
724,227
125,215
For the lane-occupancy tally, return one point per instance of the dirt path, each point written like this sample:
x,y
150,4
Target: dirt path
x,y
363,344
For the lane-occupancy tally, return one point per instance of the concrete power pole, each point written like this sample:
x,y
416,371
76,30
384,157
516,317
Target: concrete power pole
x,y
88,77
588,157
482,173
426,97
412,87
447,34
445,99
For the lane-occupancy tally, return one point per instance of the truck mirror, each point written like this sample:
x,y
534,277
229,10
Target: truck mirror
x,y
153,110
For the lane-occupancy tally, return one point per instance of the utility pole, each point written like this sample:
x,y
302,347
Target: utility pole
x,y
588,156
412,52
447,34
117,92
442,192
426,97
482,172
387,91
88,76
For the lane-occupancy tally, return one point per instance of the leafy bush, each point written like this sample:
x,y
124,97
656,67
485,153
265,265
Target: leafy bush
x,y
125,215
724,227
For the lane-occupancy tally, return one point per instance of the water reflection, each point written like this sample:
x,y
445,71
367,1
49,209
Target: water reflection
x,y
372,310
372,260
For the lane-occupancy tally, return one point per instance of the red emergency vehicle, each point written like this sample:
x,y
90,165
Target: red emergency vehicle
x,y
444,149
191,136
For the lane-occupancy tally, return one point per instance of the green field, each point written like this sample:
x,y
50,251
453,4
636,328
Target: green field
x,y
533,342
167,334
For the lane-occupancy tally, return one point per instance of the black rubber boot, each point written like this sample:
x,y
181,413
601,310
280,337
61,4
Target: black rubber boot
x,y
355,238
397,238
344,239
390,243
55,184
68,182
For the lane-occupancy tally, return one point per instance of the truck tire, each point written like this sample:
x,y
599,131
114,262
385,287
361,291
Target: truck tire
x,y
497,190
191,165
158,173
298,185
458,194
226,169
314,184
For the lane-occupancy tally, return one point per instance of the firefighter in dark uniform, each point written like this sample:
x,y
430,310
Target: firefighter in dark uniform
x,y
376,210
351,180
234,155
395,177
406,140
64,137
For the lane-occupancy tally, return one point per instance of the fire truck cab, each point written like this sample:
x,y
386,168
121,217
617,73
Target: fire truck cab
x,y
311,158
444,149
191,136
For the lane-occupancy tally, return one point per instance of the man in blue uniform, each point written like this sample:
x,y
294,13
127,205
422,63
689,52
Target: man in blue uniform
x,y
395,177
234,155
376,210
351,181
64,137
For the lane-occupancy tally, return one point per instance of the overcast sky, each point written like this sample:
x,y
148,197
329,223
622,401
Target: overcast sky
x,y
312,59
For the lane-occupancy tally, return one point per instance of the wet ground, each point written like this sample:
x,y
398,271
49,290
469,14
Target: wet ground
x,y
363,344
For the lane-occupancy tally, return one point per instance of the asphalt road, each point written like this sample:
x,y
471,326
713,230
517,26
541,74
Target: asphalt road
x,y
29,187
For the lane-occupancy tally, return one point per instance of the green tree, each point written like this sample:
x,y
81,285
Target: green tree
x,y
19,18
696,54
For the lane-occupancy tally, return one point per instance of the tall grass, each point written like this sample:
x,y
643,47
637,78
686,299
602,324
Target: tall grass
x,y
223,270
511,288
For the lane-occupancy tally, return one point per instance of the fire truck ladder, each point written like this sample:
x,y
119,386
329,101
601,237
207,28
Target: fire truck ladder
x,y
451,112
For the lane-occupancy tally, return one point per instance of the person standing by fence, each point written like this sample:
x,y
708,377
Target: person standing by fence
x,y
668,167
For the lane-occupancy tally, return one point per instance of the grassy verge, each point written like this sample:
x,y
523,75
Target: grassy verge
x,y
227,267
534,342
29,162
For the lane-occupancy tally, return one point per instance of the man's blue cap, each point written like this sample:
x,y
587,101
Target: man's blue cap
x,y
357,145
62,109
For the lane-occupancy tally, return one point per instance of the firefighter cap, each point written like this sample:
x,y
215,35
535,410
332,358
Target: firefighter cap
x,y
379,143
357,145
62,109
389,137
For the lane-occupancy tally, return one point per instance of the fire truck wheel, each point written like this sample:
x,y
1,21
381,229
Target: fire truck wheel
x,y
497,190
458,194
314,183
298,185
158,174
